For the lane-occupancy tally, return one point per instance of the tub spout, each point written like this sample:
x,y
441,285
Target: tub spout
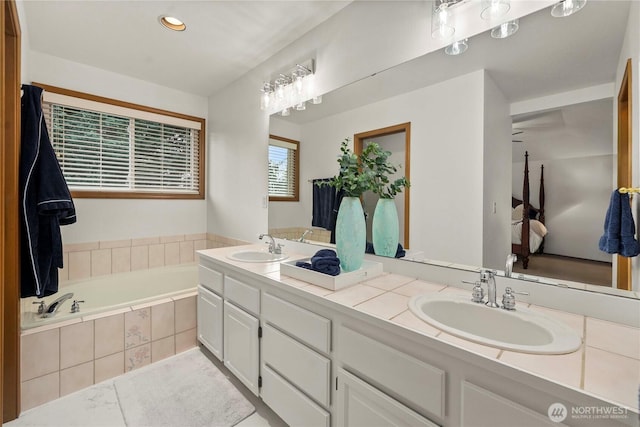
x,y
51,310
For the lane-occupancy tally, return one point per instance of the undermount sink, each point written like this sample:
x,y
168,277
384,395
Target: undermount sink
x,y
256,256
521,330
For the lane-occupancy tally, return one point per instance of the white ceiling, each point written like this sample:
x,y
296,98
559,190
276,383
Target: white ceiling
x,y
223,39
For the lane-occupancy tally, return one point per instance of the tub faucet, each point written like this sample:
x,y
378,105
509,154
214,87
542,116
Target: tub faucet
x,y
51,310
273,247
511,258
301,239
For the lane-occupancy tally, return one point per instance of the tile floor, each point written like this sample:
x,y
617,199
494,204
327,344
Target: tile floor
x,y
97,406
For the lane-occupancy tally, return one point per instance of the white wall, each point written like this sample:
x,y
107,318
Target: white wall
x,y
113,219
496,206
24,42
446,162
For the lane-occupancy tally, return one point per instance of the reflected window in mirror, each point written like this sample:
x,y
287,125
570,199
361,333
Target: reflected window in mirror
x,y
284,169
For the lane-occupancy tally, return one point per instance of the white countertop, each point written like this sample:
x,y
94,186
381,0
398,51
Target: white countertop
x,y
607,365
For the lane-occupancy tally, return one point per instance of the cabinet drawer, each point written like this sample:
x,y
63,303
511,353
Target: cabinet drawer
x,y
309,327
290,404
242,294
210,279
481,407
360,404
402,375
305,368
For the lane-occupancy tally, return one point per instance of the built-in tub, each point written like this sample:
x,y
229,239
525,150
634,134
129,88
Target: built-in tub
x,y
128,320
113,292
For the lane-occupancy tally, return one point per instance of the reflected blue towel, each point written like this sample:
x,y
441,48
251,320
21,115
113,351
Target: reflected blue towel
x,y
400,252
324,261
619,228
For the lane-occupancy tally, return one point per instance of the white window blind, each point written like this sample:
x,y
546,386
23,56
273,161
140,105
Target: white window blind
x,y
108,148
283,164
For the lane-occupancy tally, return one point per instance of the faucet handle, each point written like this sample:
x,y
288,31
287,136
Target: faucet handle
x,y
75,307
41,306
509,298
278,249
477,294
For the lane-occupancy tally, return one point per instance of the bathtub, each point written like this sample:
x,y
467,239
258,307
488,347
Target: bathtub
x,y
113,292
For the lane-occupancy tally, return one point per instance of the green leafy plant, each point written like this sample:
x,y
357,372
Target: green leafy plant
x,y
368,172
376,161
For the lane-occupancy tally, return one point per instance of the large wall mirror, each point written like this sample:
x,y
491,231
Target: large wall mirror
x,y
558,80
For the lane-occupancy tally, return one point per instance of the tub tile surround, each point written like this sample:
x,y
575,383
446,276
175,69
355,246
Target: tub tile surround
x,y
606,366
57,360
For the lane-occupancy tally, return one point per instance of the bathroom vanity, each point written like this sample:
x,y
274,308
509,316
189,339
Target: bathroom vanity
x,y
324,358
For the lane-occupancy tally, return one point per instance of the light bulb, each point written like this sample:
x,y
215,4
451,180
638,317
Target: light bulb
x,y
286,112
456,48
316,100
505,29
441,25
567,8
494,9
301,106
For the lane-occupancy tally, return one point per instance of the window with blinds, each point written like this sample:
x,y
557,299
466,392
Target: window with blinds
x,y
116,150
284,169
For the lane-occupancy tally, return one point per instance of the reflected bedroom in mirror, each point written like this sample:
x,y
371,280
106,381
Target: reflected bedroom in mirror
x,y
524,138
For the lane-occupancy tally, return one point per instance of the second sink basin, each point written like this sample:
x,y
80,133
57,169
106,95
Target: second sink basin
x,y
256,256
522,330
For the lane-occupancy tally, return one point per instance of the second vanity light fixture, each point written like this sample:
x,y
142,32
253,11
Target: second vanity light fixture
x,y
443,26
291,90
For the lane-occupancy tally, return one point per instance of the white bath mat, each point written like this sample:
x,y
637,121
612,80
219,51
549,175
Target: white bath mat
x,y
185,390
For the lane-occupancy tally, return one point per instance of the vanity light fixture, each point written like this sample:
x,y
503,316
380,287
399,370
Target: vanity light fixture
x,y
457,48
567,8
290,90
172,23
442,20
506,29
494,9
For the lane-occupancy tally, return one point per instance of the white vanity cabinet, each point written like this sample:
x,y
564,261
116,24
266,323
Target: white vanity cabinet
x,y
296,372
241,329
209,310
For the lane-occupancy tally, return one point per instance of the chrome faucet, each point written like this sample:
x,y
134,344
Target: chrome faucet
x,y
487,277
50,311
301,239
273,247
511,258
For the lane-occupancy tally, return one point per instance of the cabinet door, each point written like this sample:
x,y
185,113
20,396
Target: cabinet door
x,y
241,345
210,321
361,405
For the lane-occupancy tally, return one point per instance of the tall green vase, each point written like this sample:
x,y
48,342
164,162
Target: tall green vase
x,y
351,234
385,228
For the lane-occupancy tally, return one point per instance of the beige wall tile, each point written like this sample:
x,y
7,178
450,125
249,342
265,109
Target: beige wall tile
x,y
186,340
186,252
76,378
39,390
137,328
162,321
81,247
199,236
199,245
145,241
109,333
172,239
79,265
109,367
120,260
109,244
163,348
63,273
40,354
185,314
137,357
100,262
156,256
172,253
139,258
76,344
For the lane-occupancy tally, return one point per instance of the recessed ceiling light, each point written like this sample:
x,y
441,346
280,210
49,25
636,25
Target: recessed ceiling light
x,y
173,23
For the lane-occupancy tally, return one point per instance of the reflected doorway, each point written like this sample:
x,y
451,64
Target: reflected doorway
x,y
395,139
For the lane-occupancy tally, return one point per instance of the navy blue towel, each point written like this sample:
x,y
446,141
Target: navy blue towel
x,y
324,198
45,202
324,261
619,228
